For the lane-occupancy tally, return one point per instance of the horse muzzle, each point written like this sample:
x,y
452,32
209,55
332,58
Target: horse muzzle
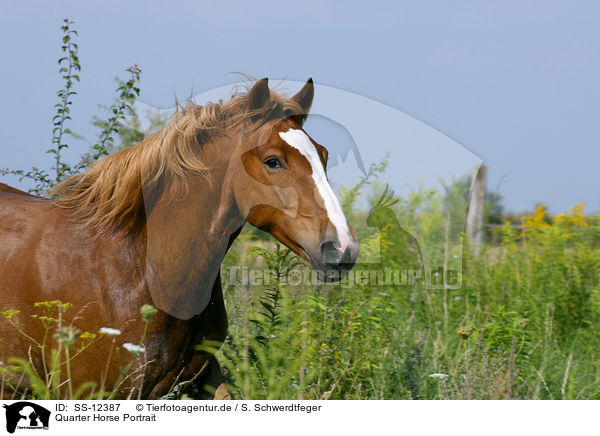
x,y
333,262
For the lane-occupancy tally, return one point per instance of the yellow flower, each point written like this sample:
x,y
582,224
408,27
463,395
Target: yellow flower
x,y
538,220
88,335
51,305
574,217
9,314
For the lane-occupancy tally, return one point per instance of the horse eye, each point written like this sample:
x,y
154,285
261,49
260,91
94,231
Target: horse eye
x,y
273,163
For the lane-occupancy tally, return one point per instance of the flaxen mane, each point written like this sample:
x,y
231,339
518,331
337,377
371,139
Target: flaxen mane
x,y
109,196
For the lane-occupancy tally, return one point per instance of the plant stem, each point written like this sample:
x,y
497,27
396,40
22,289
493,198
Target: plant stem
x,y
69,380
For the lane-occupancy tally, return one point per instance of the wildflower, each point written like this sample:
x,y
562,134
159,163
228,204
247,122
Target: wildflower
x,y
53,305
110,331
439,375
134,349
9,314
88,336
539,219
67,336
46,320
574,217
148,311
465,331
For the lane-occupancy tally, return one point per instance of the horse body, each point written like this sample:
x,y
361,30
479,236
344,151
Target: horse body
x,y
151,224
105,280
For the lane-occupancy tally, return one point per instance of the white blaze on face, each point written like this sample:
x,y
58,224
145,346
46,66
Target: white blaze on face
x,y
301,142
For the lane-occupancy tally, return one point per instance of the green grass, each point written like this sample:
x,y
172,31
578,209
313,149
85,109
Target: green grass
x,y
524,324
65,343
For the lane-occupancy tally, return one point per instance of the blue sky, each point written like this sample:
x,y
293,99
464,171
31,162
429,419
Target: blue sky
x,y
515,82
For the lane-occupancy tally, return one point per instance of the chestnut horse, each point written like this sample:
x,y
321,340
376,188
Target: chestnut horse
x,y
151,224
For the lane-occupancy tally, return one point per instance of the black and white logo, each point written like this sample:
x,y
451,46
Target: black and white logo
x,y
26,415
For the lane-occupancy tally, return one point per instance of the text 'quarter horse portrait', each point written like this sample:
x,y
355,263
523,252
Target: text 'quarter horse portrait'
x,y
152,223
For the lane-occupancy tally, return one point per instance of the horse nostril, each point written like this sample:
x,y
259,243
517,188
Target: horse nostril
x,y
328,246
330,250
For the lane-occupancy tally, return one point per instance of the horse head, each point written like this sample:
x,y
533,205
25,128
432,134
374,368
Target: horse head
x,y
281,186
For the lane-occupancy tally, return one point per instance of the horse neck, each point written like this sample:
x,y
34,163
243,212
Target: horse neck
x,y
188,237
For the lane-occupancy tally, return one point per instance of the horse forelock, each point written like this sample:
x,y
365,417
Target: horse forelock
x,y
110,196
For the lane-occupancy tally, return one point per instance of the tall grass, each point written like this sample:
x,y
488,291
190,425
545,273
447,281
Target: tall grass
x,y
523,325
62,343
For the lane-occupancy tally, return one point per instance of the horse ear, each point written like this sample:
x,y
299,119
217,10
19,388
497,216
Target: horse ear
x,y
259,96
304,98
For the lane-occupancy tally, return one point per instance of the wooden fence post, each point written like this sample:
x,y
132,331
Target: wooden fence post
x,y
476,208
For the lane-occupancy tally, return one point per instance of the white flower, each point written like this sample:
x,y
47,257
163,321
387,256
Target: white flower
x,y
384,294
133,349
439,375
110,331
